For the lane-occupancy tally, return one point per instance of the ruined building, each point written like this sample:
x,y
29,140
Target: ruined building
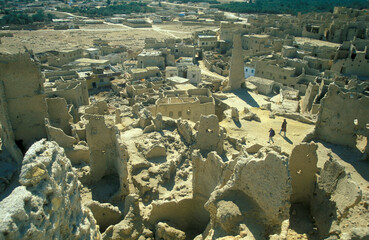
x,y
160,158
236,75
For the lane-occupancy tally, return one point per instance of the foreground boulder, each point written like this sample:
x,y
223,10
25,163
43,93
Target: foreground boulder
x,y
47,205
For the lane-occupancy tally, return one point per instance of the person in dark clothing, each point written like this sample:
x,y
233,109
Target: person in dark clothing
x,y
284,127
271,135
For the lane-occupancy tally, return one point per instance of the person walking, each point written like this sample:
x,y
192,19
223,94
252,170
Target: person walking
x,y
271,135
284,127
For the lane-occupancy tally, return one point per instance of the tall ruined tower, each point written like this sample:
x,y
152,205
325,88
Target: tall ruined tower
x,y
236,75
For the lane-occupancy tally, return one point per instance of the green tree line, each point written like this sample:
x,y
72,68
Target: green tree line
x,y
18,17
194,1
124,8
290,6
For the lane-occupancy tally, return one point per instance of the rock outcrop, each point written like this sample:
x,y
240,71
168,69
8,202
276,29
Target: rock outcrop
x,y
166,232
47,205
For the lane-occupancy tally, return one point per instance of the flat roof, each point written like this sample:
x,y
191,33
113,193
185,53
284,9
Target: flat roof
x,y
260,80
92,49
178,80
206,36
89,60
170,68
288,47
257,35
138,70
152,68
184,86
69,50
150,53
315,42
84,74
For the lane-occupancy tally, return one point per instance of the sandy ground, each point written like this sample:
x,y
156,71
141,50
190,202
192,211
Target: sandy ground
x,y
117,34
258,132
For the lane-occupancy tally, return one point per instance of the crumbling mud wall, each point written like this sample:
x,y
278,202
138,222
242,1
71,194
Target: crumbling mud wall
x,y
338,205
74,91
307,101
22,82
10,155
108,154
303,169
207,173
58,135
103,152
6,132
342,117
334,200
47,205
255,199
210,136
59,116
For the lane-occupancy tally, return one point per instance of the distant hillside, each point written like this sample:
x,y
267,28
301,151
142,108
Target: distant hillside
x,y
290,6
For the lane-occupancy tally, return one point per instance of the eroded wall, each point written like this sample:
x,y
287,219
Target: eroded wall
x,y
342,117
59,116
6,131
22,82
103,153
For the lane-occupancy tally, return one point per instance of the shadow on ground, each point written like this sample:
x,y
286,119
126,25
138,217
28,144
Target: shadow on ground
x,y
302,222
287,139
246,97
105,188
237,123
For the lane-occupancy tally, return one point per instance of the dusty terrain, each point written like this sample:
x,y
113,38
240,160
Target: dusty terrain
x,y
116,34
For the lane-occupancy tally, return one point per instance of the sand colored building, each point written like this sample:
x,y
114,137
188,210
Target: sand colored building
x,y
350,61
263,86
171,72
101,79
60,58
257,44
191,106
194,74
144,73
207,42
151,58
